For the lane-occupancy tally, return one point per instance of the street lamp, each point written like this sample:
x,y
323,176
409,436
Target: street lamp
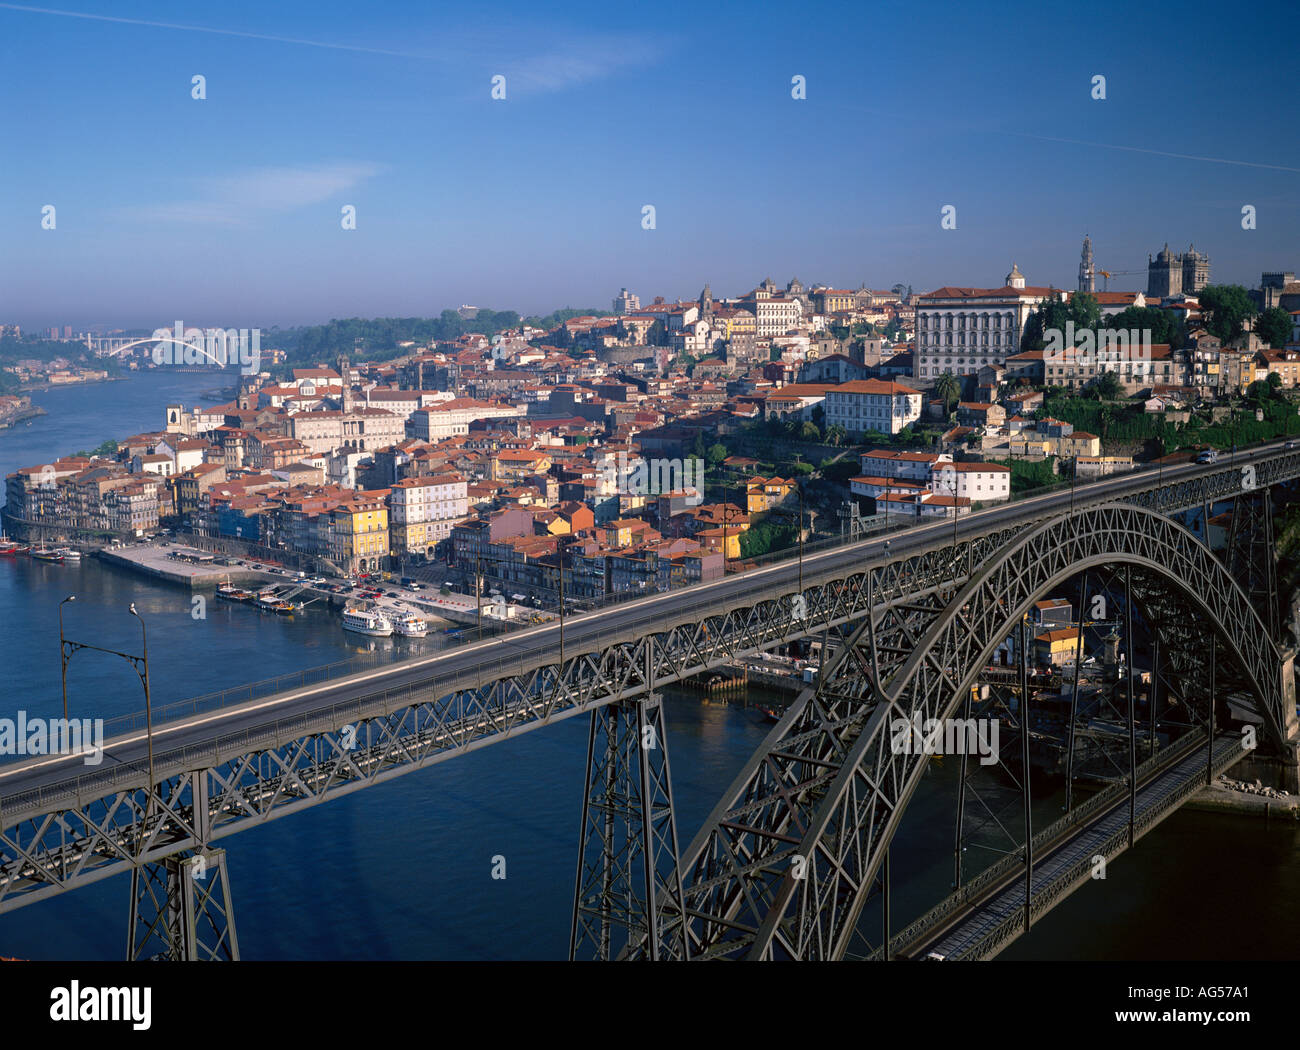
x,y
64,654
799,485
140,664
148,709
952,487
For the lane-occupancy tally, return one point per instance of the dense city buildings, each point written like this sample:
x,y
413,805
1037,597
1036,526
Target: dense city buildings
x,y
614,453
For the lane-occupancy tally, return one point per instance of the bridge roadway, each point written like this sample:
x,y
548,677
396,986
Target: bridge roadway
x,y
988,914
462,667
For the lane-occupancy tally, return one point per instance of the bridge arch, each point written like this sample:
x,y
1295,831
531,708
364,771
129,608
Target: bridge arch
x,y
741,884
117,351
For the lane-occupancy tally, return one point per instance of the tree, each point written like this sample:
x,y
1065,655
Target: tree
x,y
1164,326
1226,307
1274,327
1085,311
717,453
836,434
809,432
948,387
1108,387
1052,313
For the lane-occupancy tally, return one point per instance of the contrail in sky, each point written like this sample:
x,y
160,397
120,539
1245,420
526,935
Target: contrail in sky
x,y
1153,152
209,29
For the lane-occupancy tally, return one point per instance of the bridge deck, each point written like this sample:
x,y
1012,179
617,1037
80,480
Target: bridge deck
x,y
989,924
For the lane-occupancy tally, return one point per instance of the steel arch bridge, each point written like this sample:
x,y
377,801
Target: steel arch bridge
x,y
118,351
784,864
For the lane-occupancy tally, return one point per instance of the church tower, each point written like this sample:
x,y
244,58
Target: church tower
x,y
1015,279
347,386
1087,273
706,304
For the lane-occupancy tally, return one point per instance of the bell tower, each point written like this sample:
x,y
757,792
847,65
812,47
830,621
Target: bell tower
x,y
344,371
1087,272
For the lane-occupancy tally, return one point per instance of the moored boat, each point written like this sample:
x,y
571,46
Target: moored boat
x,y
70,553
8,547
366,622
285,608
234,594
267,601
47,554
410,626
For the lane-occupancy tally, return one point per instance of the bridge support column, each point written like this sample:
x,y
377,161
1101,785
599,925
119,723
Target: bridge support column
x,y
628,900
1289,774
181,910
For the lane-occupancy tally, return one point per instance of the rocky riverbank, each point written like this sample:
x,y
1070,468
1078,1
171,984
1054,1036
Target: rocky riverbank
x,y
1251,798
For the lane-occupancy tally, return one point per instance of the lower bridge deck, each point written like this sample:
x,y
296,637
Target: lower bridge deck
x,y
979,924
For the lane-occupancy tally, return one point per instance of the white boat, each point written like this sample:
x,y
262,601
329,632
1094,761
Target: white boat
x,y
410,625
364,622
70,554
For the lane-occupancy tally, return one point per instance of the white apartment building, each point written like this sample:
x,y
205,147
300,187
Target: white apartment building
x,y
363,429
777,316
959,330
977,482
451,418
872,404
404,402
422,512
895,463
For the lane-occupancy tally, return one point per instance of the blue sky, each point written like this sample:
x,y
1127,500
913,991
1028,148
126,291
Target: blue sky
x,y
226,211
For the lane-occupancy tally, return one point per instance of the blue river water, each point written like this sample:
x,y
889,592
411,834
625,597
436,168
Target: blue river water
x,y
403,870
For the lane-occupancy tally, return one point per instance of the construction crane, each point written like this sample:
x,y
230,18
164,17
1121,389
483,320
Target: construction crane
x,y
1108,274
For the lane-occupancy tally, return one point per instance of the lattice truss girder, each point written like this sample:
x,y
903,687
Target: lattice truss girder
x,y
628,874
181,910
781,868
57,845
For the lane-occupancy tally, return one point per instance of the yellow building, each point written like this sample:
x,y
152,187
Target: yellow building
x,y
733,323
1056,647
762,494
714,539
1078,444
359,534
